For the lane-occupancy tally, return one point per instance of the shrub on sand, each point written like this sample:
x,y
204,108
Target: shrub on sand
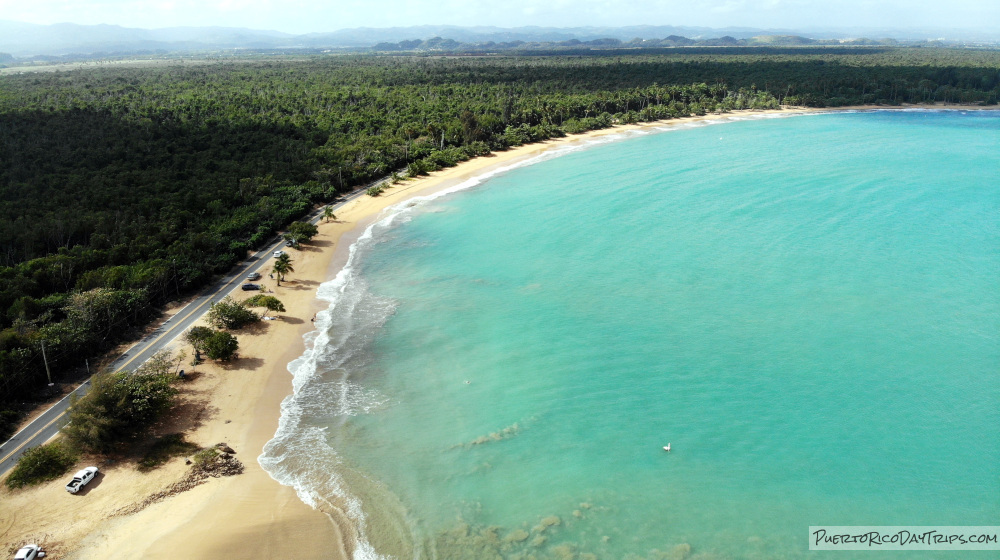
x,y
42,463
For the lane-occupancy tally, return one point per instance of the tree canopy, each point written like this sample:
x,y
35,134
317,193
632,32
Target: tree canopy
x,y
221,346
120,405
300,232
217,345
270,303
230,314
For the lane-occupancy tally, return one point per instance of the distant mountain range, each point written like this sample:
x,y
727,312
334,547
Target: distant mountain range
x,y
25,40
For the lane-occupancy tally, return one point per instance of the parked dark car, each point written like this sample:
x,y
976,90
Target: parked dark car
x,y
249,287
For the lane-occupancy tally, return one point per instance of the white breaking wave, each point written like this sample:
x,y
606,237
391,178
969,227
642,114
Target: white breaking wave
x,y
299,455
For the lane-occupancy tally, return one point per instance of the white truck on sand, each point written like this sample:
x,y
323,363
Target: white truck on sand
x,y
81,479
29,552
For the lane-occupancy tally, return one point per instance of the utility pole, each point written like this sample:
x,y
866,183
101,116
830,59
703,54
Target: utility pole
x,y
48,373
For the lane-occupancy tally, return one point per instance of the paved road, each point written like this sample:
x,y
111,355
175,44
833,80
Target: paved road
x,y
48,424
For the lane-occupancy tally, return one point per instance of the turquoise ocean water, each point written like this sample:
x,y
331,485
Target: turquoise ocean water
x,y
806,308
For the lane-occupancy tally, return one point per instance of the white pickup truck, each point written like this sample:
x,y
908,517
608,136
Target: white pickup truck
x,y
30,552
81,479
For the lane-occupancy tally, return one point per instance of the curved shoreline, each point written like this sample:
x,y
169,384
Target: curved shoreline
x,y
465,175
249,516
475,172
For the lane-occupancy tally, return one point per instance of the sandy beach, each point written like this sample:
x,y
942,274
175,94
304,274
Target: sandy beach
x,y
248,516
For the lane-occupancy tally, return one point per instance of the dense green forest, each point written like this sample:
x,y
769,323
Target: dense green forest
x,y
123,187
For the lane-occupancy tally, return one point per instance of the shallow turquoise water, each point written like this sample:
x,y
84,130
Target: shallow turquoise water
x,y
806,308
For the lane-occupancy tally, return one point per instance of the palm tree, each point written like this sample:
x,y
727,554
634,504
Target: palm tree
x,y
328,213
282,266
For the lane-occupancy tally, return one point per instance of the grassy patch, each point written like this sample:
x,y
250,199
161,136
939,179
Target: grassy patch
x,y
205,457
42,463
166,448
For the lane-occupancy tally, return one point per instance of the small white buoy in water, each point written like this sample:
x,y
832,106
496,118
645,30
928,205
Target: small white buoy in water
x,y
666,448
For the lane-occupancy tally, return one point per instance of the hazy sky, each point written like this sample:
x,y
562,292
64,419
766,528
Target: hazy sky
x,y
301,16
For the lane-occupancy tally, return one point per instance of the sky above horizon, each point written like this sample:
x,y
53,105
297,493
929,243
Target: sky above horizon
x,y
305,16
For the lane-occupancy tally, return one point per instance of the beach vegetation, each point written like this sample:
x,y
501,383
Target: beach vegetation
x,y
128,187
300,232
415,169
218,460
120,405
204,458
41,464
231,314
328,213
217,345
196,337
221,346
269,303
165,448
163,362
